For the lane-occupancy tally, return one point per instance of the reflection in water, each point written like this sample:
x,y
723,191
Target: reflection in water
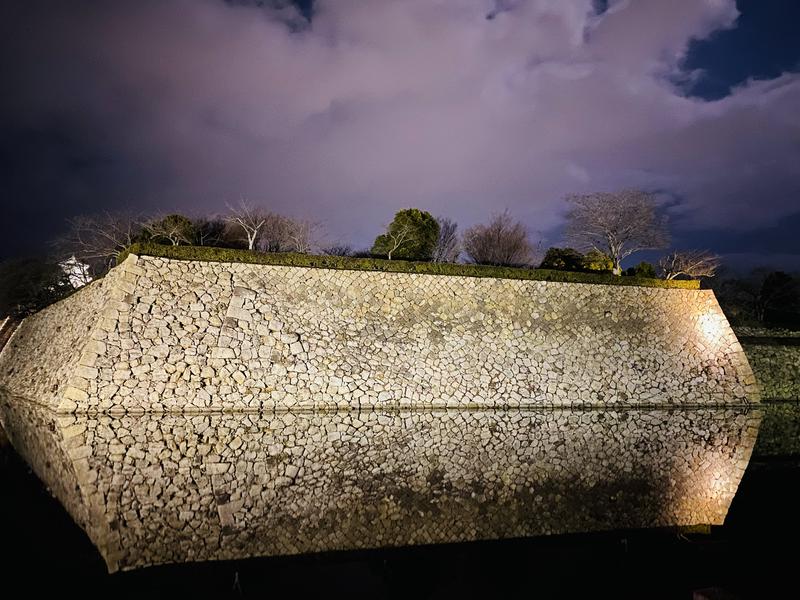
x,y
175,488
779,434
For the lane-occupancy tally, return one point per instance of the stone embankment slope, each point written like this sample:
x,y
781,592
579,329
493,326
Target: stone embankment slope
x,y
775,358
168,335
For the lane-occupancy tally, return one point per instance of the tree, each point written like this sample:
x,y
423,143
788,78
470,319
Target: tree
x,y
778,297
502,242
303,235
594,260
98,240
275,235
209,231
447,246
617,224
247,220
643,269
412,235
30,284
689,263
286,234
763,297
171,230
563,259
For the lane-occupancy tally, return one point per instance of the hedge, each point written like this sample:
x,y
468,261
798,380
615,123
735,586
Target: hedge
x,y
288,259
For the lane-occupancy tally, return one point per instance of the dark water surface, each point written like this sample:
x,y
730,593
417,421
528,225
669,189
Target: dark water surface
x,y
613,484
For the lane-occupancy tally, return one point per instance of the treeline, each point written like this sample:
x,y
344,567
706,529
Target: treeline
x,y
602,230
96,241
762,298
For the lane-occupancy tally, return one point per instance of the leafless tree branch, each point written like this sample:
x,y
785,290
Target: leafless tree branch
x,y
691,263
503,241
176,229
617,224
397,236
303,235
448,246
99,239
249,219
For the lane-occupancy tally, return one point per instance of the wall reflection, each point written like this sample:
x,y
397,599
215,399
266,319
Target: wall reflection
x,y
172,488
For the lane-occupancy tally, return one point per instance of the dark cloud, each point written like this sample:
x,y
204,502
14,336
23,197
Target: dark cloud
x,y
764,44
778,239
348,110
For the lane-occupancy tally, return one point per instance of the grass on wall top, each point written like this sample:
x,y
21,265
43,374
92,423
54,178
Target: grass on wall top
x,y
288,259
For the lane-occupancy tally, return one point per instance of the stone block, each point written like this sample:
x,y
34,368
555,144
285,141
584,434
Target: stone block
x,y
223,353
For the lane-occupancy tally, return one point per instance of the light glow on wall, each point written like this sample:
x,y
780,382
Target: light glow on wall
x,y
711,325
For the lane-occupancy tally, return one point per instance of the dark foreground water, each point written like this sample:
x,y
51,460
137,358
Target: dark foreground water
x,y
751,556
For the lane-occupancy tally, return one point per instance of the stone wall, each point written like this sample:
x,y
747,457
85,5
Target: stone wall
x,y
167,335
156,489
41,359
774,356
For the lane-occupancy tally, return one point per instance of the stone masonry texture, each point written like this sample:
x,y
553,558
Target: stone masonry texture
x,y
151,489
182,336
774,356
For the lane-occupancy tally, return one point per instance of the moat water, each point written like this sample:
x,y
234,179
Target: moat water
x,y
350,491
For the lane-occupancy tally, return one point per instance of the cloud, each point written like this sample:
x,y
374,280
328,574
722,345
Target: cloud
x,y
376,106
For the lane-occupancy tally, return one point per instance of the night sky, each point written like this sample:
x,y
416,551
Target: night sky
x,y
345,111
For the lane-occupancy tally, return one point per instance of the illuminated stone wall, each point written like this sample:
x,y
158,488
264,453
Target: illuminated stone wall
x,y
167,335
171,488
43,353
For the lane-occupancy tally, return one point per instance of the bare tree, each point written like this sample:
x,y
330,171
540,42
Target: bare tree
x,y
175,229
503,242
208,231
248,220
447,246
99,239
303,235
275,235
269,231
617,224
691,263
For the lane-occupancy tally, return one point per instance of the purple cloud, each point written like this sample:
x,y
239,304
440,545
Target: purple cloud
x,y
376,106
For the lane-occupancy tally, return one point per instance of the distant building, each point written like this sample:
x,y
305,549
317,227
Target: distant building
x,y
77,272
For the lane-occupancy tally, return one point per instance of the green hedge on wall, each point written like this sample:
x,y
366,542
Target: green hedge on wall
x,y
286,259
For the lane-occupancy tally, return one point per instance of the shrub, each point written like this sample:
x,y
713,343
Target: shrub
x,y
211,254
594,260
564,259
643,269
501,242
